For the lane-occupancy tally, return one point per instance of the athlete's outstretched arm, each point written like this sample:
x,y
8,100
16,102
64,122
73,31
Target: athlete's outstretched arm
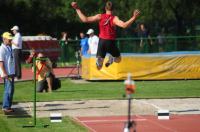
x,y
83,17
126,24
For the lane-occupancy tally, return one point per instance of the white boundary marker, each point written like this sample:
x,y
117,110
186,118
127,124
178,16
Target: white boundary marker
x,y
56,117
163,114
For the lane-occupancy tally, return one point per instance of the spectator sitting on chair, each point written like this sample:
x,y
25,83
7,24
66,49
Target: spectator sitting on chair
x,y
44,73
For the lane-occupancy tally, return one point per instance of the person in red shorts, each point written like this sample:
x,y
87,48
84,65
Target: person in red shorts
x,y
107,27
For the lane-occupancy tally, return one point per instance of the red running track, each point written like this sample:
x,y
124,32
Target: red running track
x,y
176,123
27,73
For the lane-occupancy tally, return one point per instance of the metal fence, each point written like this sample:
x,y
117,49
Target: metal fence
x,y
137,45
69,50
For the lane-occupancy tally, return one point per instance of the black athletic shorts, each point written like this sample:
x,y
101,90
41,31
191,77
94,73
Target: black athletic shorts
x,y
107,46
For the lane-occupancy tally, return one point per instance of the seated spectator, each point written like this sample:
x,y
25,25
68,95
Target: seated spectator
x,y
44,73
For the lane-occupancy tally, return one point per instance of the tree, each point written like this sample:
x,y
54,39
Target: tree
x,y
180,12
54,16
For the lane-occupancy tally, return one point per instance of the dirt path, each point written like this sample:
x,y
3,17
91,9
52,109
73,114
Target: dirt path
x,y
111,107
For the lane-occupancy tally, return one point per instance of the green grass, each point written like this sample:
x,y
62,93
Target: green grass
x,y
14,124
108,90
91,90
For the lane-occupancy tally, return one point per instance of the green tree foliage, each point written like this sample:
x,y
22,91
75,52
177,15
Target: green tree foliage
x,y
54,16
181,13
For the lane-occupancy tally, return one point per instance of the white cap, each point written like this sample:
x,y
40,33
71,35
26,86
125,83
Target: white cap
x,y
15,28
90,31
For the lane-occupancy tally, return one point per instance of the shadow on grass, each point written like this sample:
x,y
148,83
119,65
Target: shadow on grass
x,y
70,91
18,113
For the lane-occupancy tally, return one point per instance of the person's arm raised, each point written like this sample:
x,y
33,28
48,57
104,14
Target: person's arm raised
x,y
126,24
83,17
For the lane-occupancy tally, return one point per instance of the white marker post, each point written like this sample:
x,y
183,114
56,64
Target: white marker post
x,y
163,114
130,89
56,117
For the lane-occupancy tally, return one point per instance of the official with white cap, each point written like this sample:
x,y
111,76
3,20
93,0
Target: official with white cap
x,y
17,50
92,42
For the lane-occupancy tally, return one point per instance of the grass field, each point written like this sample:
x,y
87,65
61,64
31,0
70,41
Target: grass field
x,y
92,90
15,124
108,90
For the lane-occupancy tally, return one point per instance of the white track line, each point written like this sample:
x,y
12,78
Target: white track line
x,y
145,102
85,125
83,122
96,121
162,126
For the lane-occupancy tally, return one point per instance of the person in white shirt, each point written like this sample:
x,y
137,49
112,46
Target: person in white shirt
x,y
17,50
92,42
7,71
